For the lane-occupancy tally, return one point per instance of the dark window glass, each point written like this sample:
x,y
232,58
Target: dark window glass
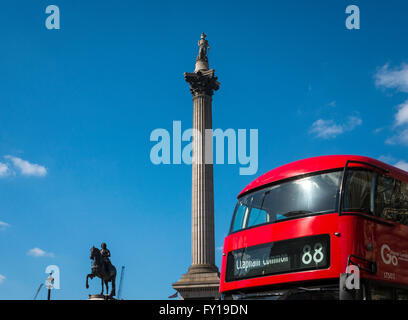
x,y
383,194
380,293
391,199
358,190
257,216
313,296
296,198
239,216
402,294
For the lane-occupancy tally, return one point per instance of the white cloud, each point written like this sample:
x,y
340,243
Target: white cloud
x,y
328,129
401,120
4,170
37,252
3,225
401,117
352,123
26,168
2,278
402,165
396,78
399,138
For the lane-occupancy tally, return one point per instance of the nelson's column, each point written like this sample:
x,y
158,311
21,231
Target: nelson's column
x,y
202,279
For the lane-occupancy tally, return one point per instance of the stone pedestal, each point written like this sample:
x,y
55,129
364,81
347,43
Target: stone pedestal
x,y
200,282
202,278
96,297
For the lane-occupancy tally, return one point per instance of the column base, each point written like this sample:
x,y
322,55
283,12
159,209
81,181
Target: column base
x,y
201,282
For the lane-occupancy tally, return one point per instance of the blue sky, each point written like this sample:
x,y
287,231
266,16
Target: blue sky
x,y
77,106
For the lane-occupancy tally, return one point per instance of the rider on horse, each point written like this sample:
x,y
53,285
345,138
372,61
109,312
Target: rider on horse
x,y
105,256
102,268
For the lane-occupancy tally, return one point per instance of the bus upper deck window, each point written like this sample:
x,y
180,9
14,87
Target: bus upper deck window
x,y
240,212
296,198
257,216
391,199
358,190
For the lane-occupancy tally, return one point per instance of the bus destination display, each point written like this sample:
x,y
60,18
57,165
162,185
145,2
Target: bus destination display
x,y
308,253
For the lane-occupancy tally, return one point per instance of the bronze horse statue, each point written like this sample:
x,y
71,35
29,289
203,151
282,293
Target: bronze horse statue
x,y
103,270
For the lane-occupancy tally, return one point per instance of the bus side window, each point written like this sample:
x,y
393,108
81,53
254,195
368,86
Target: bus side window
x,y
391,199
357,195
383,195
401,204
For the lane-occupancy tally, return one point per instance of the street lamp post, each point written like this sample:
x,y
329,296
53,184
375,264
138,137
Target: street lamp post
x,y
49,284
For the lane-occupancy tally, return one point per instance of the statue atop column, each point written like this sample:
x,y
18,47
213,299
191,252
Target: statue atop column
x,y
202,80
203,44
202,58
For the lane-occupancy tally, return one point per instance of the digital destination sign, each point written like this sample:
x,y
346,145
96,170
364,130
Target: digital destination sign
x,y
285,256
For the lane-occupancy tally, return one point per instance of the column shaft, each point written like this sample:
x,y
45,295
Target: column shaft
x,y
202,184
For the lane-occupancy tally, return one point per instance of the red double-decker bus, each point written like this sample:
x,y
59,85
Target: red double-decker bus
x,y
329,227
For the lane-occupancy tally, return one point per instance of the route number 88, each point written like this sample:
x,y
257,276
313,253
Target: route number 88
x,y
317,255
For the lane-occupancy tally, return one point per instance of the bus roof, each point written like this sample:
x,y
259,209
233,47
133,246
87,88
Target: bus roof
x,y
316,164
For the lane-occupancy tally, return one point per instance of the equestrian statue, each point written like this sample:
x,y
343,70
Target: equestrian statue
x,y
103,268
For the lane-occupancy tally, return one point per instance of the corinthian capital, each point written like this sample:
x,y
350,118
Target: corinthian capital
x,y
202,82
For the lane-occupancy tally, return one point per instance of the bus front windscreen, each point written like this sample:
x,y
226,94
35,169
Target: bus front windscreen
x,y
296,198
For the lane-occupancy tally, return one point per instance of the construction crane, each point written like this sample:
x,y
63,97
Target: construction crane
x,y
121,282
38,291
